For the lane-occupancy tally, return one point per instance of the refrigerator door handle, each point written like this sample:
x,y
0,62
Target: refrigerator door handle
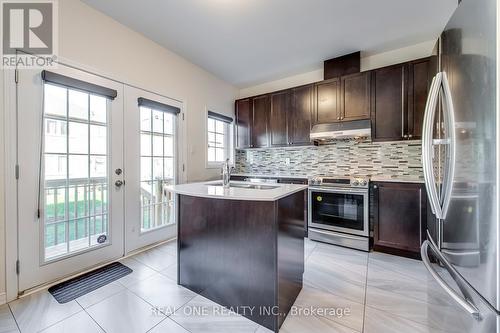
x,y
427,145
464,303
449,118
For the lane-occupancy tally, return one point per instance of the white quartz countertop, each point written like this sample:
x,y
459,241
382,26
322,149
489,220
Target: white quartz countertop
x,y
214,189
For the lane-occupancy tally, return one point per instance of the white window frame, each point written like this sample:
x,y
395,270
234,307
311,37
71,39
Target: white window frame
x,y
228,142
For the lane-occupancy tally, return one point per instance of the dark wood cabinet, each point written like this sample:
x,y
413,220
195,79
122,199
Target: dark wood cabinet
x,y
393,97
388,103
327,97
278,119
260,124
280,105
343,99
244,119
355,96
399,94
420,75
299,119
399,214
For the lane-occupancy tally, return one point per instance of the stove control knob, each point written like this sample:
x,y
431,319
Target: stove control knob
x,y
363,182
355,182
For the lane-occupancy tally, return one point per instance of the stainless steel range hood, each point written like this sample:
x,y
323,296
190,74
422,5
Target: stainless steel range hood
x,y
355,130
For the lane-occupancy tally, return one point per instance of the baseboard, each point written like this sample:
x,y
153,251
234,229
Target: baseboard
x,y
3,298
397,252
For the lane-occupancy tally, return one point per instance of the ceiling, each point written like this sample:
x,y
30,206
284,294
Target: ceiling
x,y
247,42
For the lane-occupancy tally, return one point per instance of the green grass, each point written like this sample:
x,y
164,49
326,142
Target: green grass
x,y
76,228
80,209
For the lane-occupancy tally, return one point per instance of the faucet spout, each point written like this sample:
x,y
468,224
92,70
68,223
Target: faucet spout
x,y
226,173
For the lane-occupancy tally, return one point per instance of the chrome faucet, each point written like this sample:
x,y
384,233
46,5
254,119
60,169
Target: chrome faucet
x,y
226,173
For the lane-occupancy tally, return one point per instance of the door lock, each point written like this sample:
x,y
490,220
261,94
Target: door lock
x,y
119,183
118,171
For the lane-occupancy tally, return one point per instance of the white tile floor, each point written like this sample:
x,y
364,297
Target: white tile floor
x,y
372,293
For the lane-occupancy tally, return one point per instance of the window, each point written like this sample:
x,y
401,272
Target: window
x,y
157,167
218,138
75,177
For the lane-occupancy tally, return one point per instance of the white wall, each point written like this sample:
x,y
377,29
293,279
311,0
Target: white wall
x,y
368,61
97,42
88,37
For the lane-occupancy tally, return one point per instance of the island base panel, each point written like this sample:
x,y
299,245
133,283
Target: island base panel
x,y
244,255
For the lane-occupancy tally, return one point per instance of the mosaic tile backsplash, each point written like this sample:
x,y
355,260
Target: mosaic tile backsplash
x,y
391,160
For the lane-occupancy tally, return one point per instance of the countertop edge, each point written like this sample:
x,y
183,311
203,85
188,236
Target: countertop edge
x,y
290,189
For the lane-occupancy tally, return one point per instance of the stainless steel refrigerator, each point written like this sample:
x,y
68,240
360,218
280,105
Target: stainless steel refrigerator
x,y
460,144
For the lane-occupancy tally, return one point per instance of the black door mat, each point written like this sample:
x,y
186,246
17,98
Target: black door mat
x,y
67,291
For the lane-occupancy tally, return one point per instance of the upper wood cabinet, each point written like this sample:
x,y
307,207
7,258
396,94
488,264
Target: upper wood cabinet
x,y
420,73
290,120
299,116
399,94
399,212
355,96
343,99
260,124
244,119
388,103
394,97
327,97
280,105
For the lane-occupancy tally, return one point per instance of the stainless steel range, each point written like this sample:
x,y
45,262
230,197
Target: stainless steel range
x,y
338,211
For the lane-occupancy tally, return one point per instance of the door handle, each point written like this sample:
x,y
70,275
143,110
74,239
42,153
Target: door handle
x,y
119,183
464,303
449,119
430,182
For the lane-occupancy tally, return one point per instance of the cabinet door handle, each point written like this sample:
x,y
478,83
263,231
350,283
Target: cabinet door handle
x,y
405,136
410,136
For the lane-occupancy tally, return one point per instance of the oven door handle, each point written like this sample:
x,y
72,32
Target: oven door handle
x,y
339,191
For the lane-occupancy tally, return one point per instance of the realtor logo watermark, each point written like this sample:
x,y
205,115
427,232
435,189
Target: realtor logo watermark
x,y
29,33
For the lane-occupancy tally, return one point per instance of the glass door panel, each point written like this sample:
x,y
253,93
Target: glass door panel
x,y
75,173
157,168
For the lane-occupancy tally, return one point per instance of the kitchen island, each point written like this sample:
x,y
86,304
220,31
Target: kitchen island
x,y
243,246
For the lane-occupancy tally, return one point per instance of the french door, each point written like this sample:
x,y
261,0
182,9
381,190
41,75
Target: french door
x,y
70,157
87,193
151,163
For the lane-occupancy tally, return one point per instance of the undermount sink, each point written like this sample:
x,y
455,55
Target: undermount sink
x,y
249,186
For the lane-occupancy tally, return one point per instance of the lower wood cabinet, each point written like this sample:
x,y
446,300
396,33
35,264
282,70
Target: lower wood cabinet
x,y
399,217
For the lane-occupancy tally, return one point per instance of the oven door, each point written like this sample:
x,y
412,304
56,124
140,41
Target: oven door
x,y
343,210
